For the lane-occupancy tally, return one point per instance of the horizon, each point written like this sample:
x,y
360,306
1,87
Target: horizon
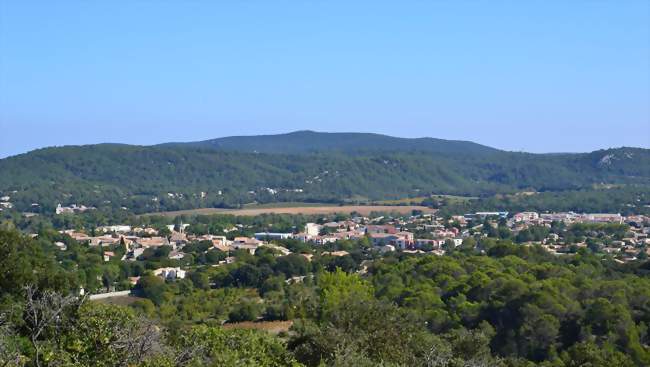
x,y
533,77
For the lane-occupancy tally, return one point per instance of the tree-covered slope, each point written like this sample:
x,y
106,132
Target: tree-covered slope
x,y
300,142
171,177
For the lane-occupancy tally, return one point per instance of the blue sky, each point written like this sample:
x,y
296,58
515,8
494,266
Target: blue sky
x,y
539,76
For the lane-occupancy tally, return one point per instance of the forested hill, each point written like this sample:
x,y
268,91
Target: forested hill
x,y
171,177
300,142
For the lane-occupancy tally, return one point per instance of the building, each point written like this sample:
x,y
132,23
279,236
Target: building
x,y
246,243
152,241
116,229
377,229
483,215
266,236
72,209
602,218
170,273
401,240
312,229
525,217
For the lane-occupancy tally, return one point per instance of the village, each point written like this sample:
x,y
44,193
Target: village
x,y
562,234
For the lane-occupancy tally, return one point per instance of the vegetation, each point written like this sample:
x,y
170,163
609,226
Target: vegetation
x,y
630,199
494,303
137,179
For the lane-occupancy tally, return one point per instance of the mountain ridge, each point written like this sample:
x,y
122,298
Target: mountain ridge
x,y
308,141
142,178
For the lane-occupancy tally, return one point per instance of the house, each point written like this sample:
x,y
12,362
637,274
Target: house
x,y
336,253
182,227
148,231
402,240
283,250
457,241
266,236
303,236
602,218
312,229
115,229
381,229
176,255
483,215
104,240
152,241
246,243
72,209
559,217
525,217
177,239
170,273
108,255
435,244
323,240
379,239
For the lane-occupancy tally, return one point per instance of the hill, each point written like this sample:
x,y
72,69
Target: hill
x,y
300,142
195,175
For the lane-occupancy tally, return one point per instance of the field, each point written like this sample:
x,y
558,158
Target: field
x,y
404,201
308,209
121,300
453,199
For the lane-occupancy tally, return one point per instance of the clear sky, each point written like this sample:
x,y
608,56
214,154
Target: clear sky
x,y
539,76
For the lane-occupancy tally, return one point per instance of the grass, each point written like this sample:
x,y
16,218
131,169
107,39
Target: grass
x,y
453,199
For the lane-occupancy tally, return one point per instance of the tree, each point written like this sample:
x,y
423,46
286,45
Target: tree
x,y
106,335
292,264
200,280
245,311
339,287
591,354
212,346
10,355
152,287
44,316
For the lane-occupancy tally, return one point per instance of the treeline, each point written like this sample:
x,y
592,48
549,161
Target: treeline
x,y
629,199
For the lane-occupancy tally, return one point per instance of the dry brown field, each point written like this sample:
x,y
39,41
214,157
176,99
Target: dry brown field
x,y
307,210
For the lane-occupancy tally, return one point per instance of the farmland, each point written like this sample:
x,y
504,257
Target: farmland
x,y
307,210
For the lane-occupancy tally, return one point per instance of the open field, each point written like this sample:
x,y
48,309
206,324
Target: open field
x,y
307,210
418,200
121,300
453,199
404,201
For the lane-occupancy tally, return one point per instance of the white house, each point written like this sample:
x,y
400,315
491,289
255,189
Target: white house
x,y
312,229
170,273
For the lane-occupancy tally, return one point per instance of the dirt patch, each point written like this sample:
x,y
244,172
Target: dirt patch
x,y
274,327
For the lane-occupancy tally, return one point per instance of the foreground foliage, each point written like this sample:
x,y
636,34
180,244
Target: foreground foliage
x,y
514,306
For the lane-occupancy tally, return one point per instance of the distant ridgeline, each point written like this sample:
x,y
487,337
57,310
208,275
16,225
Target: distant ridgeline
x,y
301,166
